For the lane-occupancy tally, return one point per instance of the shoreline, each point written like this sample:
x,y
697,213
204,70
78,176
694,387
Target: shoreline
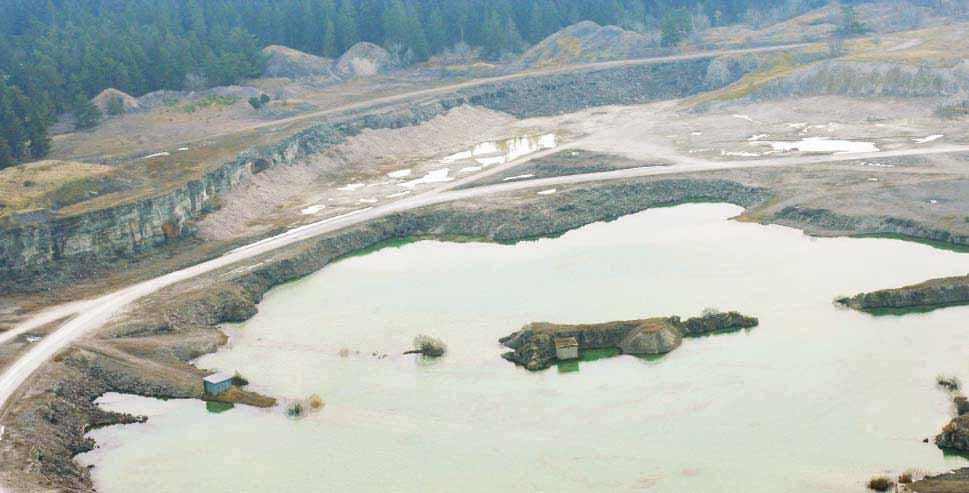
x,y
186,321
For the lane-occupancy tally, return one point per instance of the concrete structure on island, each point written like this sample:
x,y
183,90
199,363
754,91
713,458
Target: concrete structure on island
x,y
217,383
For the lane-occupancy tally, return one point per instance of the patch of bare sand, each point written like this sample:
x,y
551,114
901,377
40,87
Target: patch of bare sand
x,y
669,132
365,158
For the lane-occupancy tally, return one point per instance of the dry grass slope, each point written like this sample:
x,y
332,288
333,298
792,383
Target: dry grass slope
x,y
48,183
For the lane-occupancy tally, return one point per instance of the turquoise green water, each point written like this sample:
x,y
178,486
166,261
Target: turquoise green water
x,y
817,398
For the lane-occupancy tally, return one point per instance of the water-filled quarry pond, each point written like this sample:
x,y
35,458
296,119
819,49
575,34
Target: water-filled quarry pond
x,y
816,398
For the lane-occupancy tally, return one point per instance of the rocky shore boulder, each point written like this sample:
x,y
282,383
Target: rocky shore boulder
x,y
536,353
716,321
937,292
659,338
364,60
955,435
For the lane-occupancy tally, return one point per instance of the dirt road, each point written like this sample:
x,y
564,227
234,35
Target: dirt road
x,y
386,100
91,314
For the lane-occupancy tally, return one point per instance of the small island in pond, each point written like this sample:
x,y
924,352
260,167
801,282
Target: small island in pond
x,y
934,293
539,344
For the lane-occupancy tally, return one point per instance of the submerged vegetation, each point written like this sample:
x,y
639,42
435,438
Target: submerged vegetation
x,y
299,407
881,483
428,346
949,383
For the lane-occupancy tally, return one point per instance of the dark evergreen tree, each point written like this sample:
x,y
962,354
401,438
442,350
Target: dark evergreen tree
x,y
86,115
51,51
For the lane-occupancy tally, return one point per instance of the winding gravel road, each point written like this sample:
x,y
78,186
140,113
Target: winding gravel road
x,y
91,314
435,91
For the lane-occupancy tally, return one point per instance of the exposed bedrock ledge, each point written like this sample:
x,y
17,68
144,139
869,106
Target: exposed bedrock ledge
x,y
836,223
148,351
936,292
38,251
534,345
567,92
41,250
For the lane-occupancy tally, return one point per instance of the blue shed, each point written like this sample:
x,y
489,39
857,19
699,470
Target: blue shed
x,y
217,383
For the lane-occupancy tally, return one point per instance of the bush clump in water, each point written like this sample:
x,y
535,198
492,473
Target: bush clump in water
x,y
299,408
295,410
905,477
880,483
315,402
948,382
428,346
239,381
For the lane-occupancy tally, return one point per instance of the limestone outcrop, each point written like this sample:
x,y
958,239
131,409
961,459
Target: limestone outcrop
x,y
534,345
936,292
364,60
955,435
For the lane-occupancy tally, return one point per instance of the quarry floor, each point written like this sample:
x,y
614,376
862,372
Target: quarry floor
x,y
919,171
915,166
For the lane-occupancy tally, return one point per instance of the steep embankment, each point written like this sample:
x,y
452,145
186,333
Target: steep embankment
x,y
40,250
147,352
841,224
936,292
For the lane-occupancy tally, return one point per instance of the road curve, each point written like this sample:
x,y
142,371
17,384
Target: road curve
x,y
396,98
91,314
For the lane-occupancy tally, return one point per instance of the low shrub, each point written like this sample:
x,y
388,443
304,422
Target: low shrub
x,y
948,382
259,102
239,381
295,410
905,477
880,483
429,346
316,402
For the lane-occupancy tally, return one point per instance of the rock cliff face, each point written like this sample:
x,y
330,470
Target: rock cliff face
x,y
533,345
955,435
861,225
567,92
148,351
937,292
40,250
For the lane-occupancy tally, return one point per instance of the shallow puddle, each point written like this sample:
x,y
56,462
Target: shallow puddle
x,y
503,151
